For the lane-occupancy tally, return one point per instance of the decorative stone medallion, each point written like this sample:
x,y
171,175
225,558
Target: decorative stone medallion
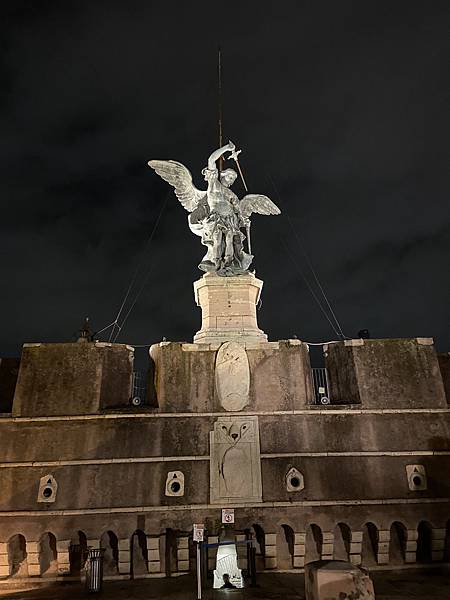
x,y
232,376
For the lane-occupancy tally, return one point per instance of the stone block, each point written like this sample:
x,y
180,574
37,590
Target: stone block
x,y
299,538
224,302
299,562
299,549
437,555
153,554
336,579
183,542
383,547
4,560
355,547
327,549
124,567
390,373
62,546
438,534
412,534
152,543
3,547
357,536
271,539
93,543
34,570
355,559
4,570
411,545
32,558
410,557
124,555
383,559
154,567
271,551
328,537
183,566
437,545
69,379
183,554
124,544
33,547
270,562
384,535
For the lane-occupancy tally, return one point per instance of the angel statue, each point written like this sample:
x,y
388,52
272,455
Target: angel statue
x,y
216,214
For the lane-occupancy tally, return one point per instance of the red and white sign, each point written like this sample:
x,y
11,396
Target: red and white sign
x,y
199,531
227,515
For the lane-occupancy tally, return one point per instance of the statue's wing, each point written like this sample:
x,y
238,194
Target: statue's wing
x,y
256,203
179,176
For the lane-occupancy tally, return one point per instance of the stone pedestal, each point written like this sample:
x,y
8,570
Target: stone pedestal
x,y
337,579
228,308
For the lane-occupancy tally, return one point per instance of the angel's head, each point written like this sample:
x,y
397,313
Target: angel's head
x,y
228,177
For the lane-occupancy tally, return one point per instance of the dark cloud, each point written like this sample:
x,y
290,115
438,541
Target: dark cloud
x,y
342,105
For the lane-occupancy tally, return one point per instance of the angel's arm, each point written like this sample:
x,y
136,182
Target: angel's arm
x,y
218,153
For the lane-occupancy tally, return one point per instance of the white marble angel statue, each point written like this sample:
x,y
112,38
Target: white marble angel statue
x,y
216,214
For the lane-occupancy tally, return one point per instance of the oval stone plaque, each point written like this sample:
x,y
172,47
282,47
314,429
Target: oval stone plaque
x,y
232,376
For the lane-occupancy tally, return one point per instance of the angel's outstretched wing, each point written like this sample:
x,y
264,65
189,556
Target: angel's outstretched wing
x,y
179,176
256,203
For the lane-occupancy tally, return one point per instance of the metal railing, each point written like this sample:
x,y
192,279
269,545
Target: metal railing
x,y
139,394
320,384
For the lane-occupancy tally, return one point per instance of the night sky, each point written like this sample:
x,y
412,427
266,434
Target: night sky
x,y
342,106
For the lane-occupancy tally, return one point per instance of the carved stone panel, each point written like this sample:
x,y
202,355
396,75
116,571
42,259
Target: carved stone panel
x,y
235,464
232,376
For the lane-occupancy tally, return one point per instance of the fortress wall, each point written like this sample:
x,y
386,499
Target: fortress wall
x,y
185,376
133,485
394,373
342,455
158,435
68,379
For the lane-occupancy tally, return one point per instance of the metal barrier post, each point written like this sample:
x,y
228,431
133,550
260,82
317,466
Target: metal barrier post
x,y
94,570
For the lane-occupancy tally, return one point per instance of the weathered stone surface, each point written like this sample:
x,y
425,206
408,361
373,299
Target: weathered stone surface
x,y
228,308
69,379
280,376
444,366
337,580
385,373
9,370
232,376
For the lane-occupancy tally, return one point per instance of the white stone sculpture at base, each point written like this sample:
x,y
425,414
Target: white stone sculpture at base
x,y
228,308
227,564
235,464
232,376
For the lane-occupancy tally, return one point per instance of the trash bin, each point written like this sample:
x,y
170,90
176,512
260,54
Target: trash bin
x,y
94,570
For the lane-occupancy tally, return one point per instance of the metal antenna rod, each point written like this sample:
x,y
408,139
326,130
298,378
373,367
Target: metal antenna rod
x,y
219,75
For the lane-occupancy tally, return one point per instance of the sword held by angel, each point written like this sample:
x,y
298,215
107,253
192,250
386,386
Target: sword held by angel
x,y
216,214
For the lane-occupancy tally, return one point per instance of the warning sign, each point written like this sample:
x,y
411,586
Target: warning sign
x,y
199,531
227,515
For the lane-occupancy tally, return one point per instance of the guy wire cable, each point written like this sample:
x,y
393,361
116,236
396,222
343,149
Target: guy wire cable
x,y
149,270
308,260
115,323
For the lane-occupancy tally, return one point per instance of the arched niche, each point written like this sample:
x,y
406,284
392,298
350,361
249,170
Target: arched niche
x,y
424,542
78,550
48,557
285,547
17,556
138,553
397,543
